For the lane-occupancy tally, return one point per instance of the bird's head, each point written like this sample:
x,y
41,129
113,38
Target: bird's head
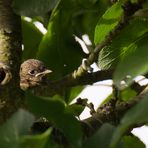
x,y
32,73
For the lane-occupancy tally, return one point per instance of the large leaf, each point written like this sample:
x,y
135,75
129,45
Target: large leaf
x,y
128,94
132,141
35,141
75,109
33,7
87,16
31,39
108,21
110,56
46,106
72,93
16,126
134,61
102,138
136,115
54,111
58,49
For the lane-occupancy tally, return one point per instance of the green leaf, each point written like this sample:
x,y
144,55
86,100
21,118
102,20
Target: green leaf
x,y
125,95
108,21
33,7
58,48
52,144
15,127
46,107
54,111
35,141
87,3
102,138
128,94
136,115
87,16
71,128
134,61
75,109
31,39
72,93
107,99
111,55
132,141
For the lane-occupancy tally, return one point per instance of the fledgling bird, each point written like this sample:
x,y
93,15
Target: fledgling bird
x,y
33,73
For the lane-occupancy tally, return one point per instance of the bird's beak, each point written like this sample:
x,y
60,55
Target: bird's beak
x,y
43,73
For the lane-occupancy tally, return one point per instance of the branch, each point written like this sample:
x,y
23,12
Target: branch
x,y
137,87
107,113
57,87
85,79
10,58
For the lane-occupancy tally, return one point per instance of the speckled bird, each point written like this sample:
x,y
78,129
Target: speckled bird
x,y
32,73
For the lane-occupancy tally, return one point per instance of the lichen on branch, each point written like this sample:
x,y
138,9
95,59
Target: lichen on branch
x,y
11,97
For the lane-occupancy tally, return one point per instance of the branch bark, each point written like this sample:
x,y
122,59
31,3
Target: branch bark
x,y
108,113
57,87
11,97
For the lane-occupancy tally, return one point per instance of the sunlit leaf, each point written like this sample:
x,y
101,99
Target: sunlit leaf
x,y
134,62
108,21
111,55
127,94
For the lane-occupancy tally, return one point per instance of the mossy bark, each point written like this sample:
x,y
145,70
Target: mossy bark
x,y
11,97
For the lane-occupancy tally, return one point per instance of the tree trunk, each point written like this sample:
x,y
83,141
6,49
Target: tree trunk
x,y
11,97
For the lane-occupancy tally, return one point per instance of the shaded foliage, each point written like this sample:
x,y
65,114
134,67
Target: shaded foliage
x,y
126,54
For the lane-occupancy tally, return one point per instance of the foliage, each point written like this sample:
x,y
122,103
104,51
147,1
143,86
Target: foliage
x,y
126,54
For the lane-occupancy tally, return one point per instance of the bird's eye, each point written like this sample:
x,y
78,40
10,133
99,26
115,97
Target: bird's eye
x,y
32,72
42,68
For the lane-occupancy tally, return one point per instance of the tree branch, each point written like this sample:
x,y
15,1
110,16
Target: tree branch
x,y
107,113
57,87
10,51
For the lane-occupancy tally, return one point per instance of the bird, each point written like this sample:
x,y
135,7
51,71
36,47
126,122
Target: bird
x,y
33,73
